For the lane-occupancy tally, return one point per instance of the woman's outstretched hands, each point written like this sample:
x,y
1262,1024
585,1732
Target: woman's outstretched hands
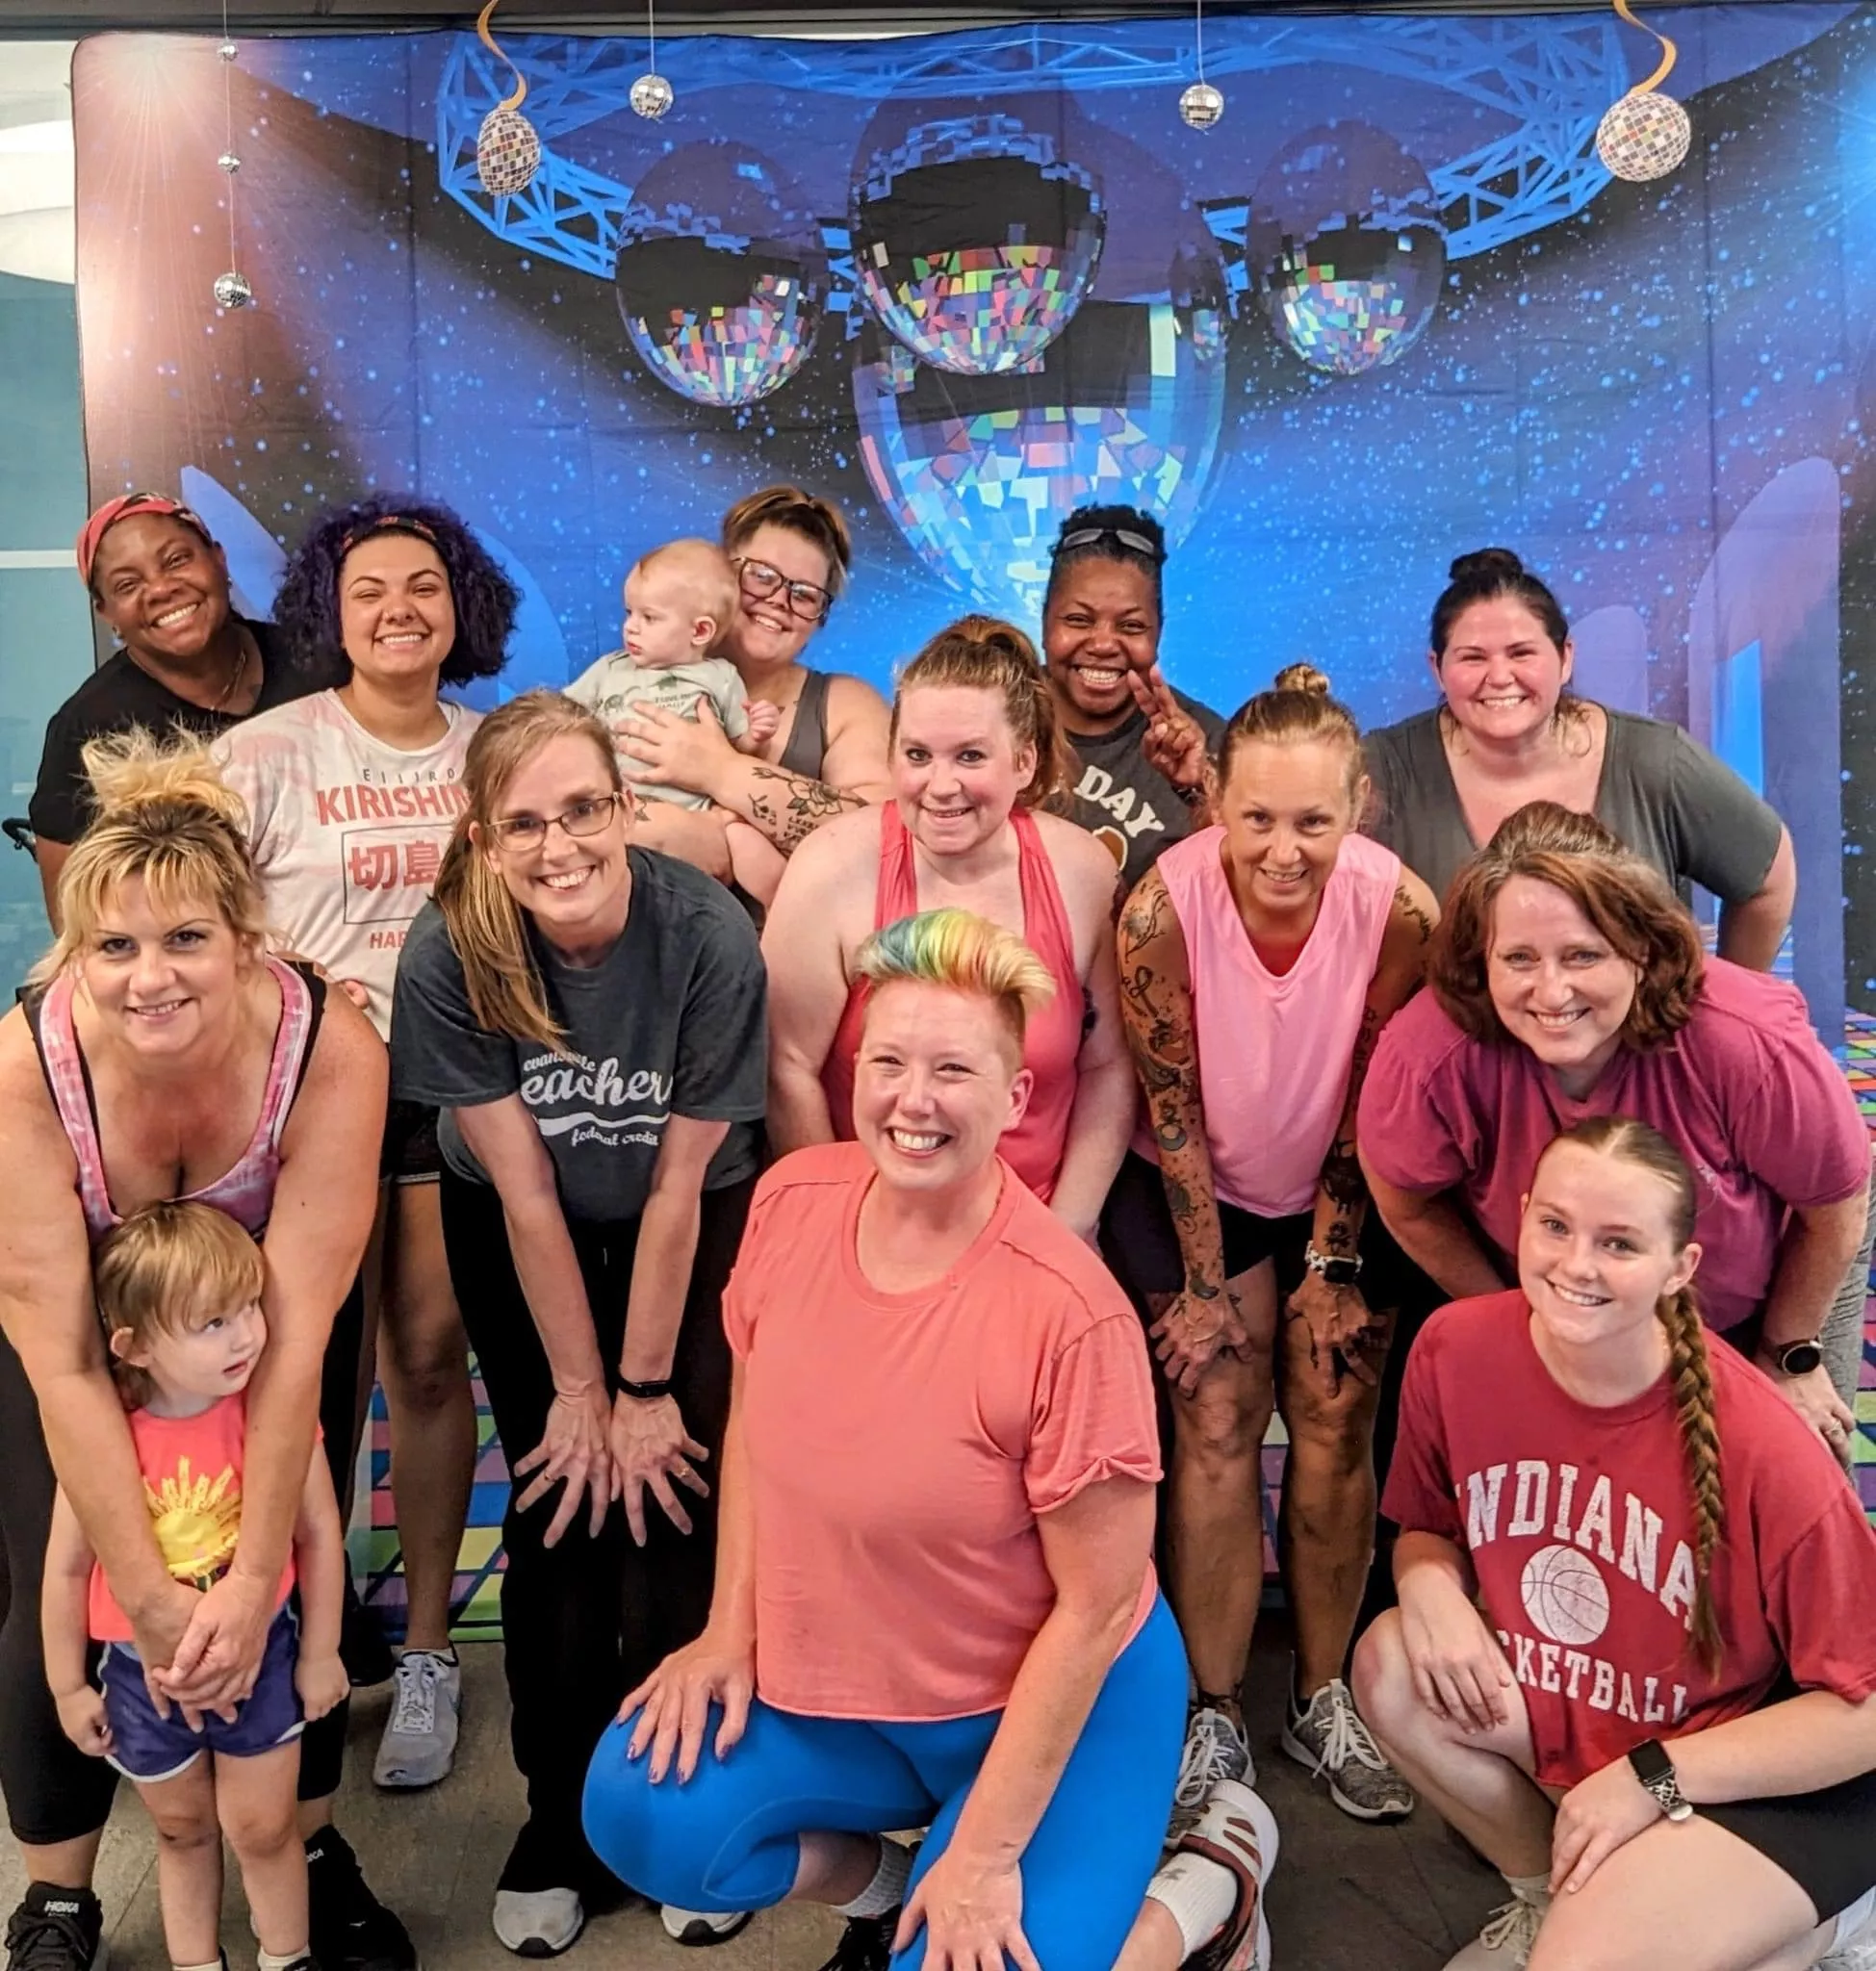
x,y
652,1451
1192,1330
972,1914
575,1453
673,1704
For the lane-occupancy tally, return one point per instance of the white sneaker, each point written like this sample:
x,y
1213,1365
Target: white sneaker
x,y
538,1923
1215,1749
419,1746
1236,1833
1854,1950
1505,1942
703,1927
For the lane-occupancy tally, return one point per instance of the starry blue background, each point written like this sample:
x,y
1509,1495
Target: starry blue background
x,y
1606,396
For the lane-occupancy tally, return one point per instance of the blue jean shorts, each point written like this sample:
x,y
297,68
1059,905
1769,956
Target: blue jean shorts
x,y
146,1745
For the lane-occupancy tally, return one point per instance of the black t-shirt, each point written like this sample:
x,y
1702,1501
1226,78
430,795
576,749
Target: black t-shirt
x,y
1124,801
120,694
673,1021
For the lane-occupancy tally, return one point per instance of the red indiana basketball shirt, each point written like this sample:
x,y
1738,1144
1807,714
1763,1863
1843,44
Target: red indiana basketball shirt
x,y
1579,1526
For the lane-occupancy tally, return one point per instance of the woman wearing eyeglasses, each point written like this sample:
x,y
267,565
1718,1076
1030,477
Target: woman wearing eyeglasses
x,y
791,553
591,1020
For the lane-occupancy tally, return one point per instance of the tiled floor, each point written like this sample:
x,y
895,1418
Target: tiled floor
x,y
1344,1896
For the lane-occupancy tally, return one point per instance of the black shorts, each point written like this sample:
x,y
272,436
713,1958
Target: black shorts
x,y
1142,1246
411,1153
1824,1841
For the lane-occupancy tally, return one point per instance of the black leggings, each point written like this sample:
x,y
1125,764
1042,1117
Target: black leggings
x,y
584,1622
54,1791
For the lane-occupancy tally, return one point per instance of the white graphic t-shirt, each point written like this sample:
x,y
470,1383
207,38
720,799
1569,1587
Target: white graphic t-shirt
x,y
348,832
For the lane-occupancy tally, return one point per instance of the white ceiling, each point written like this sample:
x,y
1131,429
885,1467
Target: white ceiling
x,y
37,220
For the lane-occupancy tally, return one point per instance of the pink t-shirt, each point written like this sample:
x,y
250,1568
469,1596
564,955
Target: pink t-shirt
x,y
1275,1053
1580,1524
191,1469
348,832
901,1446
1744,1092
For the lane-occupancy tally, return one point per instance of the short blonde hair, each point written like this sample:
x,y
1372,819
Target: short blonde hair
x,y
965,953
164,817
703,570
164,1264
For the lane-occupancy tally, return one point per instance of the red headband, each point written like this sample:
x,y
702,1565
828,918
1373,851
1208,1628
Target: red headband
x,y
90,536
385,523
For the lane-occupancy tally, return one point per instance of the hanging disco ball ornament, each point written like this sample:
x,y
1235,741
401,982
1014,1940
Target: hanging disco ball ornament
x,y
1201,106
1645,135
232,290
721,277
975,234
1125,406
507,146
1347,248
652,96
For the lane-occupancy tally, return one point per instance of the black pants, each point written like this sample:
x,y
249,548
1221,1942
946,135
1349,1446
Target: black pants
x,y
54,1791
584,1622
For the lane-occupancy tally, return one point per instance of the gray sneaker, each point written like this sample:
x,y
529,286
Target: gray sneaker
x,y
1330,1739
1507,1940
419,1746
1214,1750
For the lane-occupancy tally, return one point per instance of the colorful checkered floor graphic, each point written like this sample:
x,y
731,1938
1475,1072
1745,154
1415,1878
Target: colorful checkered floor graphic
x,y
378,1562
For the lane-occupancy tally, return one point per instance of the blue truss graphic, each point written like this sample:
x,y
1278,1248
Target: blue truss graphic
x,y
1551,79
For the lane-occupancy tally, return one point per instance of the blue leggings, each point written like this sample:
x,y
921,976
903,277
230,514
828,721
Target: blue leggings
x,y
731,1839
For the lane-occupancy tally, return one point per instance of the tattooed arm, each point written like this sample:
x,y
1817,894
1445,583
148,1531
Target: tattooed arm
x,y
1341,1324
1156,1008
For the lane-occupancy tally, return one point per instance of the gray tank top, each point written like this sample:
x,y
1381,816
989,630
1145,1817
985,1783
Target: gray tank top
x,y
806,752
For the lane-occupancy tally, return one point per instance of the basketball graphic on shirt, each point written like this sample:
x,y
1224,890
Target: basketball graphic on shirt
x,y
1565,1596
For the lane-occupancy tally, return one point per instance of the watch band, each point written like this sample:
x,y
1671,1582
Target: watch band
x,y
645,1392
1655,1770
1339,1269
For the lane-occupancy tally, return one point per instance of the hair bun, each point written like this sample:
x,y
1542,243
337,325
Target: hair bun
x,y
1486,564
135,769
1303,678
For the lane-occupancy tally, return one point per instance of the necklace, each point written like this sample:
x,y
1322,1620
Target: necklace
x,y
234,677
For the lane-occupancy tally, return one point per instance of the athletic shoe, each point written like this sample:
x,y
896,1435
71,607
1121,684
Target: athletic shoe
x,y
1857,1951
1505,1942
703,1927
350,1928
538,1911
55,1930
419,1746
1330,1739
865,1943
1237,1833
1214,1750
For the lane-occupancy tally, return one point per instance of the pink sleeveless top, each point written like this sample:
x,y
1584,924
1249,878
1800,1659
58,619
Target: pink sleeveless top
x,y
246,1191
1052,1039
1275,1054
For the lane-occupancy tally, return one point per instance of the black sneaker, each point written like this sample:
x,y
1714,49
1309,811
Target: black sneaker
x,y
55,1930
865,1945
351,1930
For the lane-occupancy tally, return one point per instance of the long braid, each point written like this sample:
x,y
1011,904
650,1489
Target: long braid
x,y
1700,1443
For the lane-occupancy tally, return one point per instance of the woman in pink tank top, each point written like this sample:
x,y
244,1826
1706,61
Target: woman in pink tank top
x,y
1260,959
163,1054
975,749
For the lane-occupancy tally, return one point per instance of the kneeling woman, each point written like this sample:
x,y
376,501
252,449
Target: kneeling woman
x,y
1631,1663
934,1596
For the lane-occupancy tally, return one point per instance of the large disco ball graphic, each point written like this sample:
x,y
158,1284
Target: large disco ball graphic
x,y
1126,405
1347,248
975,237
1645,135
721,277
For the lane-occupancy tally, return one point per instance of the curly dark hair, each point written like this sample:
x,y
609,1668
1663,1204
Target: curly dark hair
x,y
307,607
1109,523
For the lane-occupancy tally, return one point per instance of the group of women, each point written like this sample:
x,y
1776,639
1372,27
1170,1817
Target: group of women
x,y
845,1485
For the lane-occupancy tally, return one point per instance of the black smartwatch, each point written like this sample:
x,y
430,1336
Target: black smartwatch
x,y
1656,1771
1796,1358
1338,1272
645,1392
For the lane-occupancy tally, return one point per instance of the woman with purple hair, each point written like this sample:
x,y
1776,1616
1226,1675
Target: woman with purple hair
x,y
352,795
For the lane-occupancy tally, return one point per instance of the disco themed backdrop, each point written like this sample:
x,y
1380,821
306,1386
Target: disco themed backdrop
x,y
1390,307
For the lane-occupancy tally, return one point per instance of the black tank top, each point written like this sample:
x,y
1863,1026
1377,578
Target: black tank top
x,y
806,752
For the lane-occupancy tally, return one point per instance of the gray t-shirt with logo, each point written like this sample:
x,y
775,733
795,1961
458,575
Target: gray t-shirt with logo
x,y
673,1021
1123,799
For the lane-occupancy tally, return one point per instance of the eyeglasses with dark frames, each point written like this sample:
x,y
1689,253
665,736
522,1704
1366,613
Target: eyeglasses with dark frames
x,y
530,831
808,600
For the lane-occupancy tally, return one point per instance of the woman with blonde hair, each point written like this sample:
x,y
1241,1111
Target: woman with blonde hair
x,y
935,1602
976,750
1259,961
589,1018
1568,981
1630,1661
160,1053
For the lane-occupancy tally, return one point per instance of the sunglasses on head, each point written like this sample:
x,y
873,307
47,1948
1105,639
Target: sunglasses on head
x,y
807,600
1085,537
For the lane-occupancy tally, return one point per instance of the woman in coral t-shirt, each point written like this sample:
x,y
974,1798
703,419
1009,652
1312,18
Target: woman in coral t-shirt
x,y
934,1596
1632,1662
